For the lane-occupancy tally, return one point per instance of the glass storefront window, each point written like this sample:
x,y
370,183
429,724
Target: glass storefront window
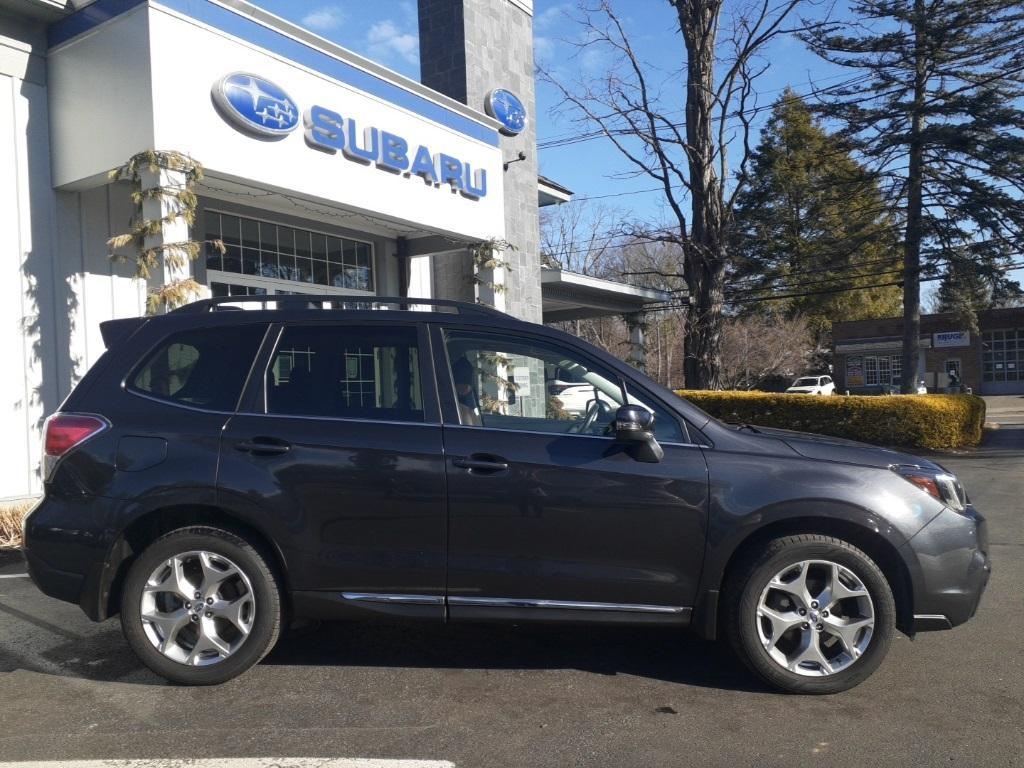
x,y
882,369
1002,355
268,250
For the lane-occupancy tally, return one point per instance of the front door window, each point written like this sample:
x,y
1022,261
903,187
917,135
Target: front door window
x,y
510,382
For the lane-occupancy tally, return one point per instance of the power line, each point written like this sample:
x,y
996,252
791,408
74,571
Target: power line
x,y
588,243
679,305
789,86
577,138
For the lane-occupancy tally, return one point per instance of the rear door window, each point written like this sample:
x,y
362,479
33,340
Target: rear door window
x,y
353,372
200,368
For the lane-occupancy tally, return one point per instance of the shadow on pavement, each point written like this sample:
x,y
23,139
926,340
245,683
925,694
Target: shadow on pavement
x,y
670,655
1007,442
100,653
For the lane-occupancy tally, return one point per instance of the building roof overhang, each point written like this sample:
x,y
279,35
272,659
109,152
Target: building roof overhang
x,y
572,296
551,192
45,11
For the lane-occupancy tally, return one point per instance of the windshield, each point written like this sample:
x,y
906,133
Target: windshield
x,y
806,382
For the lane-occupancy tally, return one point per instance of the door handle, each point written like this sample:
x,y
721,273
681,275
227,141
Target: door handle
x,y
477,463
264,445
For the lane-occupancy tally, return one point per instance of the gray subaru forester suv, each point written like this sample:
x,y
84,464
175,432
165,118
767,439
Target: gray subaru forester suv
x,y
219,472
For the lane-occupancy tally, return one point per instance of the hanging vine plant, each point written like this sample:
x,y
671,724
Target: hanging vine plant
x,y
180,203
489,254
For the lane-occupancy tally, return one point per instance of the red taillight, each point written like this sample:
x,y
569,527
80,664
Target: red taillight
x,y
63,432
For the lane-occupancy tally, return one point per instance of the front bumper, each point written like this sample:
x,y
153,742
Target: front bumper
x,y
953,569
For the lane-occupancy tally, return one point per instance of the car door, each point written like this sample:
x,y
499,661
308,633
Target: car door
x,y
548,516
341,453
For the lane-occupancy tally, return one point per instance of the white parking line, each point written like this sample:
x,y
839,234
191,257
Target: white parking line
x,y
13,576
239,762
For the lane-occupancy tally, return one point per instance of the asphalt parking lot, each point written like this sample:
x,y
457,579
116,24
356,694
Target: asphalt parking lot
x,y
534,696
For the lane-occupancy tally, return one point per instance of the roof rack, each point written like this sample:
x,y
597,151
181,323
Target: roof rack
x,y
334,302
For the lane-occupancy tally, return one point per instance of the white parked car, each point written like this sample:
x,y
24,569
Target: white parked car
x,y
813,385
577,397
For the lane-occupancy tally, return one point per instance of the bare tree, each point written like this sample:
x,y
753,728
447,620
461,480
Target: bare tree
x,y
574,237
756,347
690,161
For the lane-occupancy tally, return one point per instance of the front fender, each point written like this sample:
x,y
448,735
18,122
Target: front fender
x,y
751,498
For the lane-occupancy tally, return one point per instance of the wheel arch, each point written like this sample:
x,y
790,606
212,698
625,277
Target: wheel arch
x,y
149,526
873,543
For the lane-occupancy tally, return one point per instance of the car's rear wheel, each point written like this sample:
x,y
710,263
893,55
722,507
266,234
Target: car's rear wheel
x,y
810,614
200,606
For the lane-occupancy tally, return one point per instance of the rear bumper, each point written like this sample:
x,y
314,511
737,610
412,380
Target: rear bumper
x,y
954,568
65,551
63,585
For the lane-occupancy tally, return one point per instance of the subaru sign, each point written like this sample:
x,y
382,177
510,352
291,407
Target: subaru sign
x,y
329,131
256,105
508,109
953,339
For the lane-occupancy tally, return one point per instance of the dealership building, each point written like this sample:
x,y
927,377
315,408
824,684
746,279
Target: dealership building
x,y
989,360
325,174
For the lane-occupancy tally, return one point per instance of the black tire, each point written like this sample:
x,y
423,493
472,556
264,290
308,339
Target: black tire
x,y
266,590
750,578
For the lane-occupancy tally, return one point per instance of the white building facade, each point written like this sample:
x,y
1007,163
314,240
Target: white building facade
x,y
325,173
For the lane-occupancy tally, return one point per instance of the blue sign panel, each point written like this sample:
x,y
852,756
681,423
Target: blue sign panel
x,y
256,105
259,107
507,108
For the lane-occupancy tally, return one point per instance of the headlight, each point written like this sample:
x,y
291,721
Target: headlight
x,y
939,485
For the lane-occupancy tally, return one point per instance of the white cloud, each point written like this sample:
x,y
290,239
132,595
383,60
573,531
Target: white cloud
x,y
543,47
545,20
593,59
325,18
410,11
547,33
385,39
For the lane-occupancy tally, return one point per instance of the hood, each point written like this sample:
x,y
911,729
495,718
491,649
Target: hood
x,y
827,448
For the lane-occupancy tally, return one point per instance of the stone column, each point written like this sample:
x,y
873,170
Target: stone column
x,y
467,49
636,322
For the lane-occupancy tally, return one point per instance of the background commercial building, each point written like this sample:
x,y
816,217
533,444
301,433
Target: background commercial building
x,y
867,353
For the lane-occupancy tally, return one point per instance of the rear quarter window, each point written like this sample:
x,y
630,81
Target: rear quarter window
x,y
200,368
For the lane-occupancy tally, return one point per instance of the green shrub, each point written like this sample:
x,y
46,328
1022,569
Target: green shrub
x,y
911,421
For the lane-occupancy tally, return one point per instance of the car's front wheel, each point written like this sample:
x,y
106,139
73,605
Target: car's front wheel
x,y
200,606
810,613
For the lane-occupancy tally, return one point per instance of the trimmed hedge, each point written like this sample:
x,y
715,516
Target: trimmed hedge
x,y
910,421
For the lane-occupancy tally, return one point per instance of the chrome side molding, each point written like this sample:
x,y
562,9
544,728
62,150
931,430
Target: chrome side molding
x,y
509,602
377,597
515,602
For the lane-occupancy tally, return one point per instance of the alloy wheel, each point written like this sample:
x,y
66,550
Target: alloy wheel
x,y
197,608
815,618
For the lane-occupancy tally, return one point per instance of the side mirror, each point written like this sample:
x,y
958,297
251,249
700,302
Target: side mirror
x,y
634,428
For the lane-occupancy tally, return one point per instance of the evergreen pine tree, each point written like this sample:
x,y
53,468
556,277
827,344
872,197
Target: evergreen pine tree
x,y
811,224
965,290
936,110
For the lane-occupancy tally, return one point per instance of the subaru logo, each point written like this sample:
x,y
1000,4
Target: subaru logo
x,y
508,109
255,105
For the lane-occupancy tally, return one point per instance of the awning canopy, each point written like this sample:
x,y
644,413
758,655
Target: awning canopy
x,y
551,192
572,296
